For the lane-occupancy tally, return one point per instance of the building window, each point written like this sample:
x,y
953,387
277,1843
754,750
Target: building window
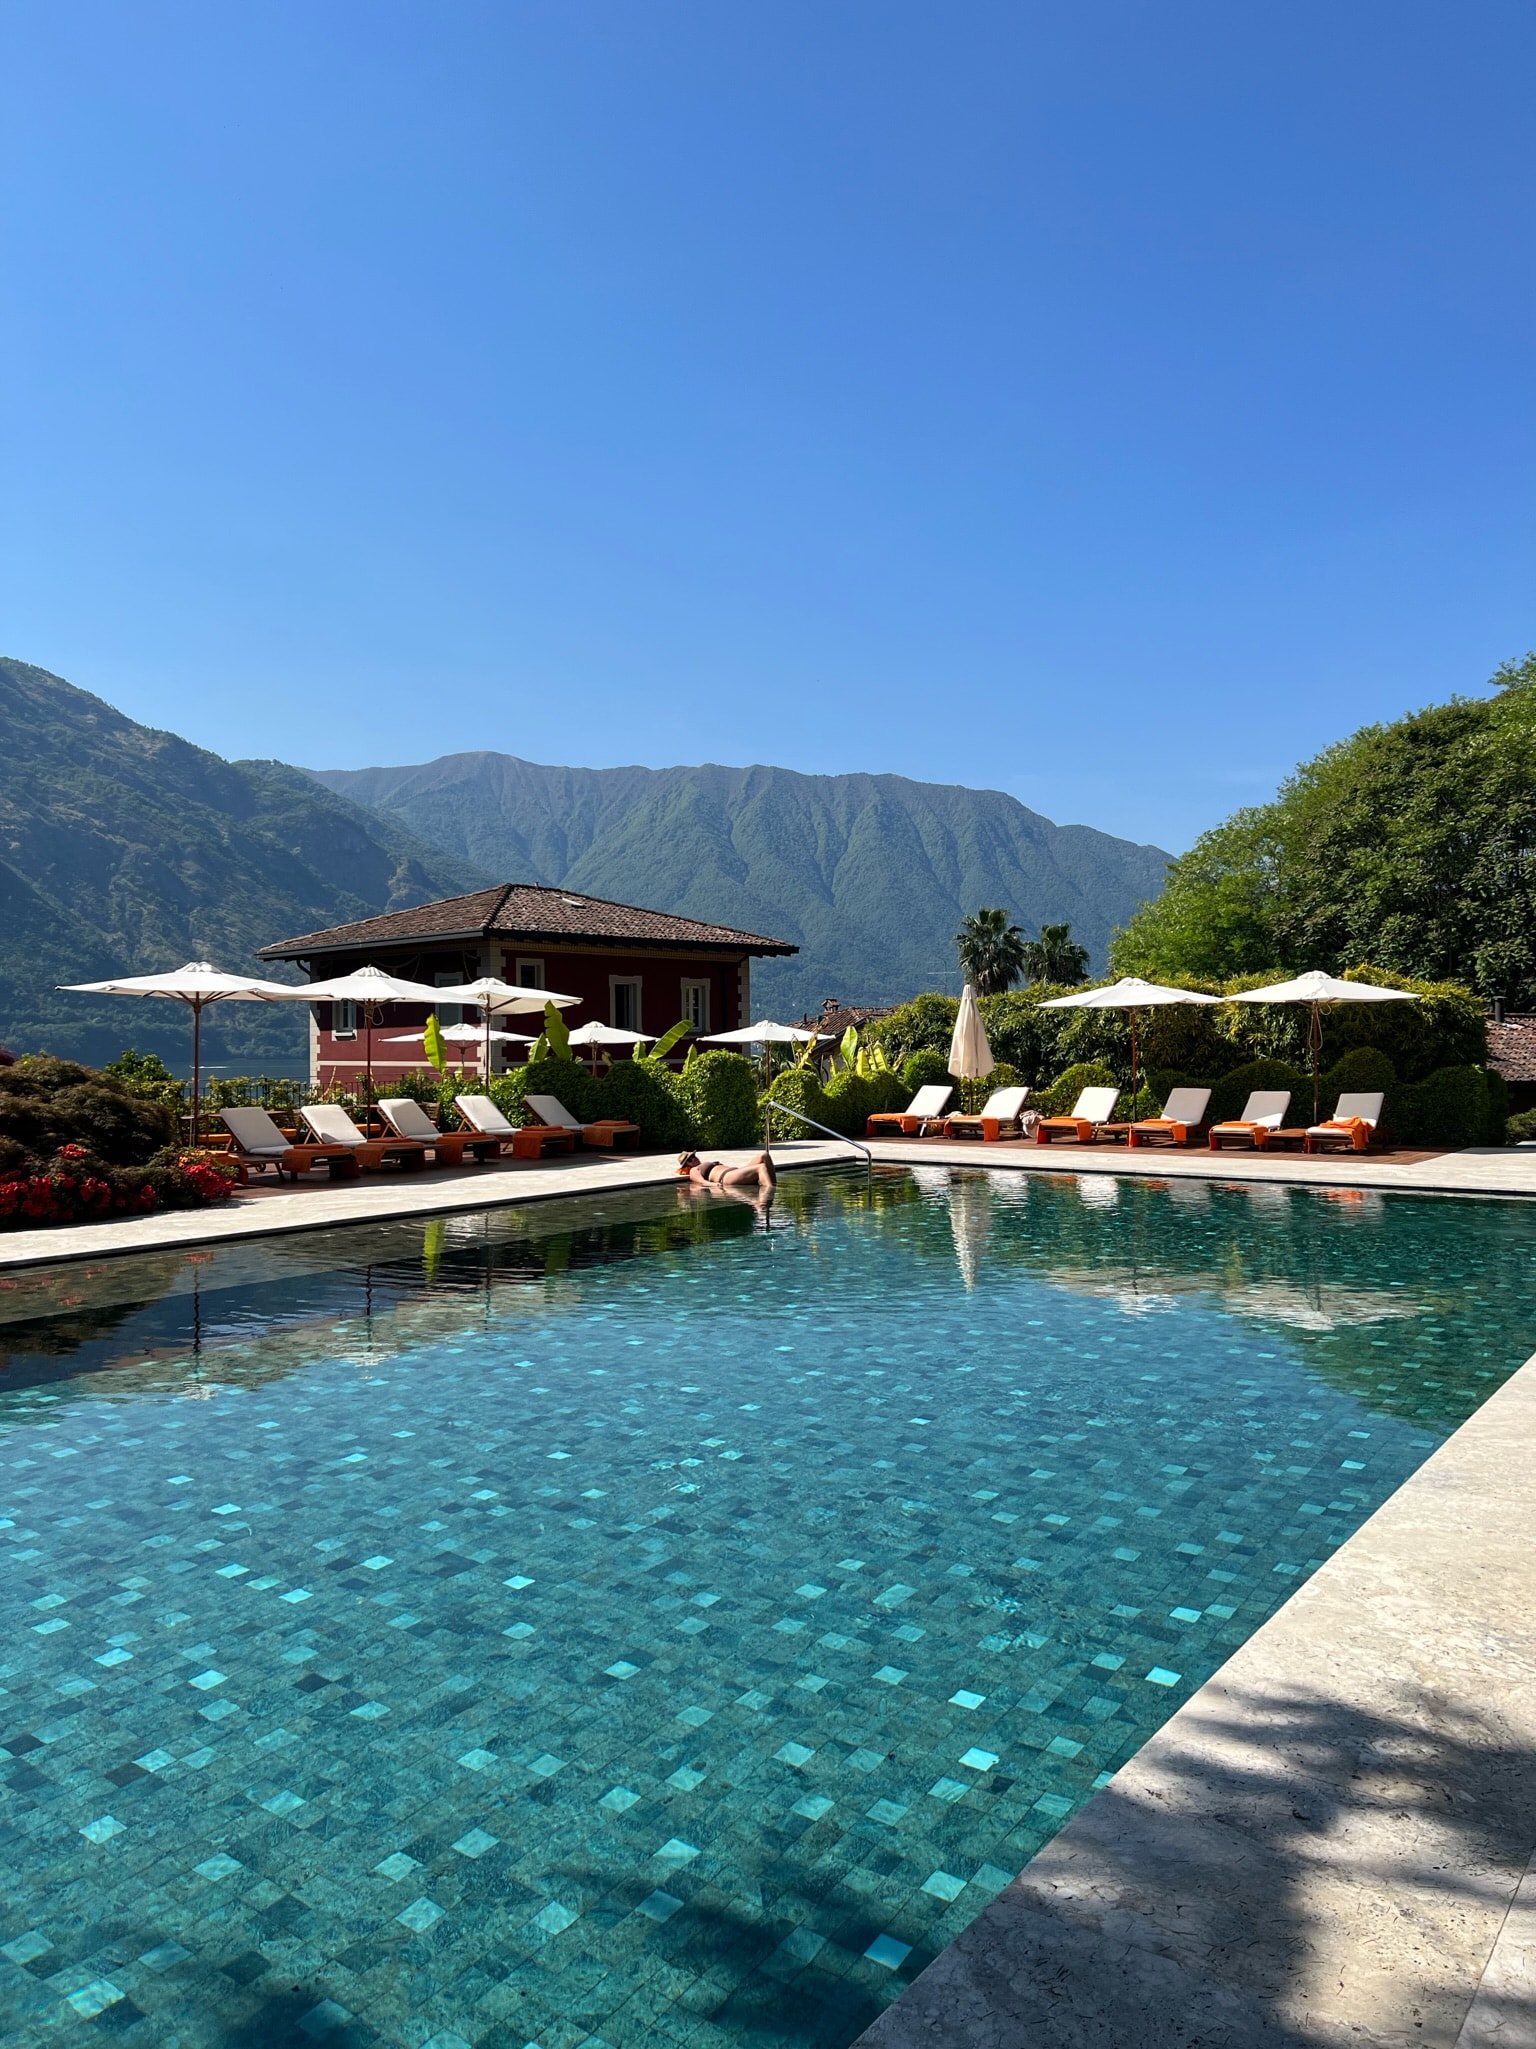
x,y
696,1005
344,1020
448,1013
624,1002
530,974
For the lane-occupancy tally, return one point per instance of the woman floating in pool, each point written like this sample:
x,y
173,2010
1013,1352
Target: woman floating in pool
x,y
756,1173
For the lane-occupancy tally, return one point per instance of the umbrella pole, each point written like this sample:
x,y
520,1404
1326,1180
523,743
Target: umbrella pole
x,y
197,1066
1317,1062
1134,1090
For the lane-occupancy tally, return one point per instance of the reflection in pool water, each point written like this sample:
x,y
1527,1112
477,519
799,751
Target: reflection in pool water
x,y
624,1620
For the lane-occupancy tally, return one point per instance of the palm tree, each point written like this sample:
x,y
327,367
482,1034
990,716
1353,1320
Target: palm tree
x,y
991,951
1055,956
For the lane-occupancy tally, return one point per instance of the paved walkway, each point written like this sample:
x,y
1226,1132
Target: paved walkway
x,y
265,1208
1332,1842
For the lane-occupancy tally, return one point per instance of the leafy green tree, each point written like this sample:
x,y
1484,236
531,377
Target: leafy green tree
x,y
1411,846
1056,957
991,949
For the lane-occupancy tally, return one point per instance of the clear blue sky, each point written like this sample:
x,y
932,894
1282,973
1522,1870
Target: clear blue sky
x,y
1112,403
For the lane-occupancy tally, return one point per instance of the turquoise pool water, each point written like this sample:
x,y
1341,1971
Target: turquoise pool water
x,y
642,1621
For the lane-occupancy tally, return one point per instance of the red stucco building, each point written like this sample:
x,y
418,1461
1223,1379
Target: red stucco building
x,y
639,969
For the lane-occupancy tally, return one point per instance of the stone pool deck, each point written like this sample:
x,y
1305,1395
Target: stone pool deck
x,y
266,1209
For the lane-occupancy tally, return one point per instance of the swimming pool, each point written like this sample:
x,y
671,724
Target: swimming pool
x,y
615,1620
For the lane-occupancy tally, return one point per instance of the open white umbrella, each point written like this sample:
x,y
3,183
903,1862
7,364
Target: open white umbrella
x,y
1133,994
765,1034
1316,989
595,1035
504,999
970,1053
463,1035
370,988
197,985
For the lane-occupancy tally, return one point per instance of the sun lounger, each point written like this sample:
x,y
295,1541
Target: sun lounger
x,y
524,1142
332,1126
1183,1115
407,1119
1092,1110
925,1108
1000,1116
258,1143
603,1131
1353,1123
1261,1119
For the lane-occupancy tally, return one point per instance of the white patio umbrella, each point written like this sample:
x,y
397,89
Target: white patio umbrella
x,y
1133,994
463,1035
503,999
1316,988
970,1053
595,1035
197,985
765,1034
371,989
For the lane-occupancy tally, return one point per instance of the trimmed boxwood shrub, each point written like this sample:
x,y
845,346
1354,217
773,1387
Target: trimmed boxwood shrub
x,y
1447,1110
1062,1094
718,1094
923,1070
647,1092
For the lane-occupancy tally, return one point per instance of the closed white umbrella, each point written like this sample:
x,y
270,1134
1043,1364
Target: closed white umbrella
x,y
1133,994
197,985
1316,989
970,1054
503,999
371,988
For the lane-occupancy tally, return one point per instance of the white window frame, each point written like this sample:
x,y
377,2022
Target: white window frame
x,y
615,984
696,986
344,1018
445,978
535,966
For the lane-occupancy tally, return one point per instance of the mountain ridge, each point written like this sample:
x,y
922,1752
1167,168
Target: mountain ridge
x,y
869,873
124,850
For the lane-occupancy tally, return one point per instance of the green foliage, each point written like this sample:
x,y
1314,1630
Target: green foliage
x,y
556,1036
923,1070
718,1091
265,1091
569,1080
673,1036
1230,1094
47,1103
798,1088
1521,1129
146,1075
1062,1094
1363,1071
647,1092
1412,845
927,1023
1448,1109
433,1046
1498,1106
1056,957
991,950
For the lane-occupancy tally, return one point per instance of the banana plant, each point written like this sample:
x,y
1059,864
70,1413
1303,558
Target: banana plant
x,y
433,1044
555,1037
665,1043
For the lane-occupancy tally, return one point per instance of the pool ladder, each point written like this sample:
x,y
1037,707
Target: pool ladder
x,y
841,1136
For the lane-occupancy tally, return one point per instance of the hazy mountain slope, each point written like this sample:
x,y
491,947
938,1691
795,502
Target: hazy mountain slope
x,y
124,850
868,874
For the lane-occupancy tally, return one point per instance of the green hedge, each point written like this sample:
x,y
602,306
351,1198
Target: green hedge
x,y
710,1102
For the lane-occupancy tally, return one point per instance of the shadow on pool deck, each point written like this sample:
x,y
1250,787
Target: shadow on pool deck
x,y
1196,1910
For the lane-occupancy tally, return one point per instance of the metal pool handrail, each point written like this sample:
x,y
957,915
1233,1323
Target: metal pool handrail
x,y
842,1136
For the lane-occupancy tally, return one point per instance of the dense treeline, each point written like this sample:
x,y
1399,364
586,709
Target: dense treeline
x,y
1410,845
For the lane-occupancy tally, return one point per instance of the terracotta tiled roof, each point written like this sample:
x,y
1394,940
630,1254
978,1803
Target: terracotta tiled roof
x,y
526,910
1512,1046
837,1019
